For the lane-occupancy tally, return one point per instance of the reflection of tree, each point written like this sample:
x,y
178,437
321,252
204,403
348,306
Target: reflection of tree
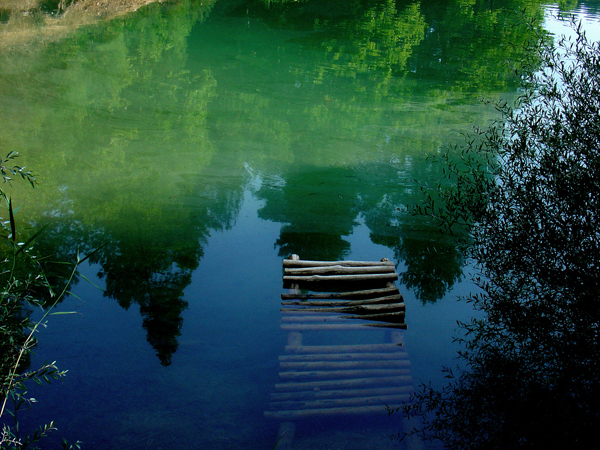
x,y
471,46
126,124
530,197
371,64
468,47
375,44
149,261
433,263
139,279
153,277
318,207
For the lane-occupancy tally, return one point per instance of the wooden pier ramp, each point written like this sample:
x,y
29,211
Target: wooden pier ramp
x,y
346,378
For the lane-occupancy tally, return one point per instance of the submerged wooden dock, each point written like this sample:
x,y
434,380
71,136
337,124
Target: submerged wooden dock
x,y
329,297
348,305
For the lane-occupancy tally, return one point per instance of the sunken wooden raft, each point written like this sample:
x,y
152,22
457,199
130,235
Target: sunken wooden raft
x,y
327,380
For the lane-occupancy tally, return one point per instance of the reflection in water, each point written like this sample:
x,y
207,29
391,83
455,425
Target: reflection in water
x,y
355,373
328,202
137,132
528,369
143,130
120,89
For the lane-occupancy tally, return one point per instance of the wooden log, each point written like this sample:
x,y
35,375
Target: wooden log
x,y
336,349
340,365
340,278
294,288
399,326
340,326
340,393
339,295
338,270
364,309
346,374
291,386
304,413
308,317
395,317
345,357
308,263
371,301
317,312
339,402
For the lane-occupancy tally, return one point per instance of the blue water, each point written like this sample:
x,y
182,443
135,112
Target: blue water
x,y
212,147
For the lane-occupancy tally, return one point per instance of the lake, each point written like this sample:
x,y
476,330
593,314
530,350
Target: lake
x,y
196,144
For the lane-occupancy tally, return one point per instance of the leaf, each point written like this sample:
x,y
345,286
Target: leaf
x,y
79,261
13,227
89,281
73,295
31,239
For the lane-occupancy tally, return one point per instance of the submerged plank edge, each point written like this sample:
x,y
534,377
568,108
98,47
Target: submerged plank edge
x,y
308,263
340,278
339,270
299,414
343,295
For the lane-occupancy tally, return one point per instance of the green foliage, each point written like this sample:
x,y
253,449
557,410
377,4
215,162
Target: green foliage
x,y
24,286
528,191
6,171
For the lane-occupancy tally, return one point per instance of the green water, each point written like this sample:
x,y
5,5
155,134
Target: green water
x,y
199,142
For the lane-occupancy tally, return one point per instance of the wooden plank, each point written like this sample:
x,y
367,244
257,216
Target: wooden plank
x,y
349,302
395,317
340,295
291,386
340,393
339,402
340,365
308,317
346,374
364,309
317,312
340,278
338,270
304,413
345,357
308,263
336,349
340,326
399,326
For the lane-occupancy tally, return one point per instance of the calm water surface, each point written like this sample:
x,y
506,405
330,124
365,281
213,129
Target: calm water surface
x,y
203,142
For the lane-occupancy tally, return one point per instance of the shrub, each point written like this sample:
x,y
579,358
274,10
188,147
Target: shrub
x,y
528,194
23,287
